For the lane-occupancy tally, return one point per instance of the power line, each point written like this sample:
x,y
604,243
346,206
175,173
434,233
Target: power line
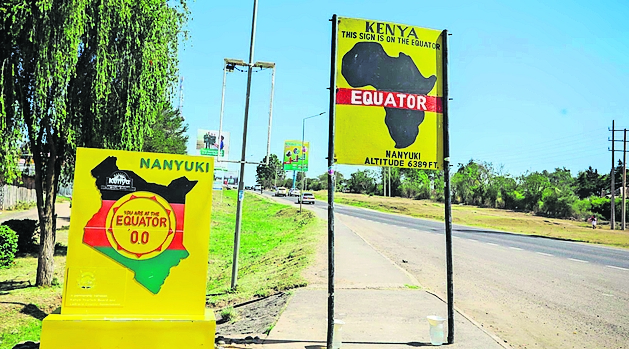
x,y
542,146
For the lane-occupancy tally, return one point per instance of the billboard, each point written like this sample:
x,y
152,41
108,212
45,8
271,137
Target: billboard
x,y
219,174
208,144
230,178
296,156
389,89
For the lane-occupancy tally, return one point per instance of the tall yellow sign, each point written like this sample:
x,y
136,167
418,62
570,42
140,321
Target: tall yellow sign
x,y
137,253
389,95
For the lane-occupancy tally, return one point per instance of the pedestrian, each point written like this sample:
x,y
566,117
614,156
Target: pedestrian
x,y
593,219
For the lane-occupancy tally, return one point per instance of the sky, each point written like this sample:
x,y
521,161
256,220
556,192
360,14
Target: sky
x,y
535,85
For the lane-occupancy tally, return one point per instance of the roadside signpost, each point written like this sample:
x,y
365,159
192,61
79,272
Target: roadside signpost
x,y
295,157
389,108
137,254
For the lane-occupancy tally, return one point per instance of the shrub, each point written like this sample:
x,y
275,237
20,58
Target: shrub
x,y
582,209
557,203
26,230
8,246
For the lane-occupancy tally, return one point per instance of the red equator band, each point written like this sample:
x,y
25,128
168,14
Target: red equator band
x,y
398,100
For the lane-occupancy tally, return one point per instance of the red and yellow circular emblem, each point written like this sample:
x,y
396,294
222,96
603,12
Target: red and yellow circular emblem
x,y
141,225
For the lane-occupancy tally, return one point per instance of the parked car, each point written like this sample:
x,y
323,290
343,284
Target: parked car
x,y
307,198
281,191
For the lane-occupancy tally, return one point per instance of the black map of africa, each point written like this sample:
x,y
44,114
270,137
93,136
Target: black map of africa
x,y
367,64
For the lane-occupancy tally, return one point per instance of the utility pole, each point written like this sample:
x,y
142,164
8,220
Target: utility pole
x,y
623,209
303,157
613,178
624,179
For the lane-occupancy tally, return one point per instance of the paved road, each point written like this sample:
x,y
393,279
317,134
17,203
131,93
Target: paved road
x,y
533,292
62,210
614,258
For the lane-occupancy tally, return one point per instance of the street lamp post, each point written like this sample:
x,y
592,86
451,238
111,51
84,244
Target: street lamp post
x,y
230,65
303,155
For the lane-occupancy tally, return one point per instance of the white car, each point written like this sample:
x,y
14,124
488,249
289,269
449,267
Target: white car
x,y
307,198
281,191
294,192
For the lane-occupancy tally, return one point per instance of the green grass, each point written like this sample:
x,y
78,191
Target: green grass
x,y
276,243
27,332
61,198
230,314
22,305
499,219
23,206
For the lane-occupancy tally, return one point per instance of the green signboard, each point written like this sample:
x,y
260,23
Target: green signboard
x,y
296,155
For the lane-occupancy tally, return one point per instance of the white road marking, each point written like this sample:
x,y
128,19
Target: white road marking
x,y
607,294
578,260
619,268
473,240
545,254
491,243
516,248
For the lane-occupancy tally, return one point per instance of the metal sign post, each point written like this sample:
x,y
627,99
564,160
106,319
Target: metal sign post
x,y
411,85
331,186
448,203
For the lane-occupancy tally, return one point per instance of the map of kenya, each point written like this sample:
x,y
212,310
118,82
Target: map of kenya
x,y
139,224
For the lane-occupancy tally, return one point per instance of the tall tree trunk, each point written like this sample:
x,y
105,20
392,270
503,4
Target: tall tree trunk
x,y
46,195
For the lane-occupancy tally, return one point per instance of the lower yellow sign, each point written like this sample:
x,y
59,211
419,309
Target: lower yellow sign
x,y
137,253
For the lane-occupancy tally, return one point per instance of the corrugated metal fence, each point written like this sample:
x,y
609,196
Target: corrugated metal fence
x,y
11,196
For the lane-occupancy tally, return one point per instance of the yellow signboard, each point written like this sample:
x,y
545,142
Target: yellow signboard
x,y
137,248
389,95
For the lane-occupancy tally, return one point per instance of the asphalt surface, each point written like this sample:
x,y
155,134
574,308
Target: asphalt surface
x,y
607,256
534,292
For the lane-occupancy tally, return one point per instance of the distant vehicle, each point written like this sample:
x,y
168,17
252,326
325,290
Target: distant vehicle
x,y
307,198
294,192
281,191
258,187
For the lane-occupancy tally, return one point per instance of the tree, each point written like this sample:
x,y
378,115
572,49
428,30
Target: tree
x,y
341,184
267,175
81,73
472,184
168,134
533,186
362,182
589,183
415,184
